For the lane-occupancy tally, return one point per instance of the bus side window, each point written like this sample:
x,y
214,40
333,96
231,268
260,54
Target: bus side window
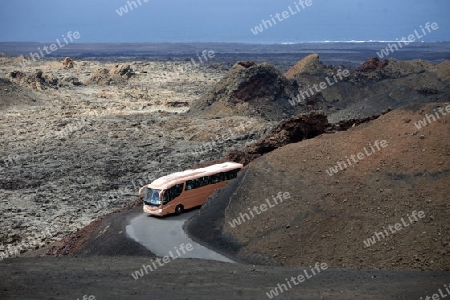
x,y
190,185
231,174
173,192
221,176
214,178
204,181
178,189
166,196
195,183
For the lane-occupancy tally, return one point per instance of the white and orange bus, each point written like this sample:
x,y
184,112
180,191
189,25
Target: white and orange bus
x,y
183,190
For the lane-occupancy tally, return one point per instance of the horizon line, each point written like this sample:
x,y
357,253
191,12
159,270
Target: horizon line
x,y
215,42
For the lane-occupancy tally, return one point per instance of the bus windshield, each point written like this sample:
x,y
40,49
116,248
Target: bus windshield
x,y
151,197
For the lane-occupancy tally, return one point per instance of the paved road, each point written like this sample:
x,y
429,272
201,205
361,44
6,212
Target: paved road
x,y
161,235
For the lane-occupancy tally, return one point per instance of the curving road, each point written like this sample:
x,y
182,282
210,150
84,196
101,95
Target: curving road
x,y
161,235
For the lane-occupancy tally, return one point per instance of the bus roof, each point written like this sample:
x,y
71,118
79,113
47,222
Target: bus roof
x,y
170,180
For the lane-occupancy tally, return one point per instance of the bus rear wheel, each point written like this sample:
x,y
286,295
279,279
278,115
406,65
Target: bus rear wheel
x,y
179,209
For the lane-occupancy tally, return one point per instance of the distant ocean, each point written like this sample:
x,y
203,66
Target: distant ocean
x,y
331,52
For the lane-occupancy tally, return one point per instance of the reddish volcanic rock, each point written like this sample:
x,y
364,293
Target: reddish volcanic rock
x,y
372,64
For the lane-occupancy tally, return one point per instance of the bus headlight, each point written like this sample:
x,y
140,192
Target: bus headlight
x,y
159,211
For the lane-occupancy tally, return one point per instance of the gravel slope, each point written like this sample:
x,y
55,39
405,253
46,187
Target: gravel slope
x,y
110,278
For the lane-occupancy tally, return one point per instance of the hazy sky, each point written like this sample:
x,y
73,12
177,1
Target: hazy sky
x,y
220,21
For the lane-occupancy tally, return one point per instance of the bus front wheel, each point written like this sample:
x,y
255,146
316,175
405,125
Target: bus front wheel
x,y
179,209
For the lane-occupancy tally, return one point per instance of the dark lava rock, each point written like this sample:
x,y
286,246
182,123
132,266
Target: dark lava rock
x,y
249,89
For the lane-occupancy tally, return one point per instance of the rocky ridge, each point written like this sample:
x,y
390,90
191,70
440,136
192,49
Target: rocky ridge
x,y
249,89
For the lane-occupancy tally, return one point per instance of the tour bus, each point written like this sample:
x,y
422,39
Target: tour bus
x,y
183,190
